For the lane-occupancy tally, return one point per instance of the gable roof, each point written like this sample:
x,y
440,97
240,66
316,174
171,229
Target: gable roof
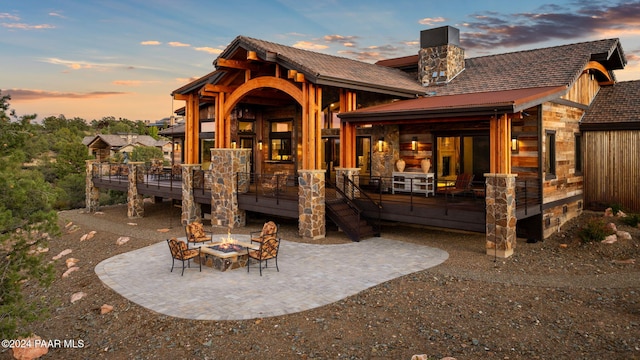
x,y
616,107
324,69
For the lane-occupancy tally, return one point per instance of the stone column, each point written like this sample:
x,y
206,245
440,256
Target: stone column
x,y
350,173
190,210
501,214
311,207
92,193
135,200
225,183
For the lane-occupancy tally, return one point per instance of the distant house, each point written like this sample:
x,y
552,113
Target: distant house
x,y
105,146
611,139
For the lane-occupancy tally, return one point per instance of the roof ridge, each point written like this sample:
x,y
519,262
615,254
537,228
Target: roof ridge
x,y
545,48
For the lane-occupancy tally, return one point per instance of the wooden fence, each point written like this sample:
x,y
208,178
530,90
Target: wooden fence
x,y
612,169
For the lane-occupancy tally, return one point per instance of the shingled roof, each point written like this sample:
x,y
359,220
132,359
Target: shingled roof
x,y
324,69
497,81
552,66
614,108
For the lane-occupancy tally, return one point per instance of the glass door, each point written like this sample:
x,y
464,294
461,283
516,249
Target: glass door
x,y
247,143
462,154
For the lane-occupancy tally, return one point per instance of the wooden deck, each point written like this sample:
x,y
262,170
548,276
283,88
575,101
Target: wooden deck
x,y
465,212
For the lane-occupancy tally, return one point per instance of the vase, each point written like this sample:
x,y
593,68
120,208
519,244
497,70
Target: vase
x,y
400,165
426,165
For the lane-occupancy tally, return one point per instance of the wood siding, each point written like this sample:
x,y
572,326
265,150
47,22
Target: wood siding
x,y
584,90
612,169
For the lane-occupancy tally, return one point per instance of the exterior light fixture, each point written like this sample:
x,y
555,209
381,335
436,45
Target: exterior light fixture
x,y
414,143
380,143
233,144
260,144
514,145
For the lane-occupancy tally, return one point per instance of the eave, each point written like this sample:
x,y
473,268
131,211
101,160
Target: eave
x,y
463,105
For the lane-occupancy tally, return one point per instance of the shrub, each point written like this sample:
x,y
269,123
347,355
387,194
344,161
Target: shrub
x,y
616,208
631,220
594,230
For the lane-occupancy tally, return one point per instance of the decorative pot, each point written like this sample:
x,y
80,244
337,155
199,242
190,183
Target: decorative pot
x,y
426,165
400,165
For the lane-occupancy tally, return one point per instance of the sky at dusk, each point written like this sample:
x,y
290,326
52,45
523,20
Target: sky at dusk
x,y
92,59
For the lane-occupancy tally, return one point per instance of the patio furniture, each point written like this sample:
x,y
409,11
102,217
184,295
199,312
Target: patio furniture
x,y
180,251
462,185
268,250
196,234
269,229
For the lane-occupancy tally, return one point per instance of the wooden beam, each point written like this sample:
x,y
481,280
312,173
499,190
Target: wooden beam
x,y
594,65
347,130
192,129
180,97
252,55
236,64
291,74
299,77
210,88
500,142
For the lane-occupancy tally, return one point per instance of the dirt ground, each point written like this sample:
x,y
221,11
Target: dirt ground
x,y
557,299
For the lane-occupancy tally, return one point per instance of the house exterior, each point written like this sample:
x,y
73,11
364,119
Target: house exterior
x,y
105,146
512,120
611,139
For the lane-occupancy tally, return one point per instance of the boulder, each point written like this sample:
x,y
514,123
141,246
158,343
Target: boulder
x,y
69,271
71,262
610,239
35,349
62,253
623,235
122,240
77,296
106,308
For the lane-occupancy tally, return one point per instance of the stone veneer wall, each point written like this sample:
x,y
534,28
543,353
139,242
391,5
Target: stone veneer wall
x,y
501,214
311,205
351,174
190,210
92,193
445,62
135,200
225,166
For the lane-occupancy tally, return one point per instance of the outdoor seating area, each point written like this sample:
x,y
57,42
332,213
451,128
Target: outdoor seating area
x,y
370,262
228,252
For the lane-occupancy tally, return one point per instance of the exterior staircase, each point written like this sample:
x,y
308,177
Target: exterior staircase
x,y
348,217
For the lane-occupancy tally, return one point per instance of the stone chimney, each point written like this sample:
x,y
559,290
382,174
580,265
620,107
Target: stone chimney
x,y
440,58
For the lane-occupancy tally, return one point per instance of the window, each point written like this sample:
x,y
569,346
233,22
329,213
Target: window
x,y
246,127
280,140
550,155
578,152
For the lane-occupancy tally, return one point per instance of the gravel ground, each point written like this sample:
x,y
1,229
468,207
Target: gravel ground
x,y
557,299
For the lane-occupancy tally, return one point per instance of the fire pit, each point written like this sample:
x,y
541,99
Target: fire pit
x,y
226,247
227,254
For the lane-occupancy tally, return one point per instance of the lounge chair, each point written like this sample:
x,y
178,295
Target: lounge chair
x,y
462,185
